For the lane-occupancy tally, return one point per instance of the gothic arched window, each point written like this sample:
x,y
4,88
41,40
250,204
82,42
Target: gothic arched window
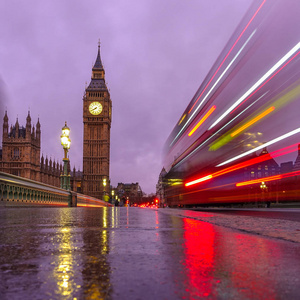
x,y
16,153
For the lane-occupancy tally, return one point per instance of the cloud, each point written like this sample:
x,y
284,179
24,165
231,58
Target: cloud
x,y
155,55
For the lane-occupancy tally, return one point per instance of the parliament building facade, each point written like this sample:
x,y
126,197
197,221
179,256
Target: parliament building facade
x,y
21,153
21,146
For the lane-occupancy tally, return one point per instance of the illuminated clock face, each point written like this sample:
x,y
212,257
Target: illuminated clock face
x,y
95,108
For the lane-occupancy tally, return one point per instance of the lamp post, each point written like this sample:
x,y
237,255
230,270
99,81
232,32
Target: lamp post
x,y
112,196
263,188
66,143
104,186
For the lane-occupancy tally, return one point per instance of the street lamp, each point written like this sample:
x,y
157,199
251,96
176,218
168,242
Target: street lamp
x,y
104,187
112,196
66,143
263,188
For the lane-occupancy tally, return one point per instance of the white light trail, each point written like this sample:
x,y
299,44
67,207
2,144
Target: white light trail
x,y
280,138
257,84
212,88
219,130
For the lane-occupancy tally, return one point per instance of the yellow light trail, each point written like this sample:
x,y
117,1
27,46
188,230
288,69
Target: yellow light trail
x,y
290,94
278,139
182,119
257,118
265,179
202,120
274,70
270,178
207,95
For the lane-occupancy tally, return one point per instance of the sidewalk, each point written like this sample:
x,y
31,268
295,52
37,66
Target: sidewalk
x,y
274,228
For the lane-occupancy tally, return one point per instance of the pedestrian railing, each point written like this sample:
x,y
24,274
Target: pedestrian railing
x,y
18,191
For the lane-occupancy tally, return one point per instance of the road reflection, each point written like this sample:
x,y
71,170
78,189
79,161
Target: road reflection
x,y
245,266
132,253
95,250
81,268
65,280
199,257
63,272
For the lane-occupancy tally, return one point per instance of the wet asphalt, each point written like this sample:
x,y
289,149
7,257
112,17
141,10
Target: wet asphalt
x,y
134,253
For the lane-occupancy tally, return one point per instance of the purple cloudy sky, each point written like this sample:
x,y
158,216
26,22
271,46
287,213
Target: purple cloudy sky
x,y
155,54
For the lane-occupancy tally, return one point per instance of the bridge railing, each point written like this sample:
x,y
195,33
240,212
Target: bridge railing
x,y
18,191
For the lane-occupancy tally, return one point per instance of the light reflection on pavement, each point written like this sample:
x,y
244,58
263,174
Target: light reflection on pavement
x,y
133,253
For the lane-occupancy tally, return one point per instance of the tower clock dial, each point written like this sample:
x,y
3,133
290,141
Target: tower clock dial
x,y
95,108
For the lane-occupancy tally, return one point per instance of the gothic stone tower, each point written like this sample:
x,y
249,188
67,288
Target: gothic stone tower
x,y
21,149
97,107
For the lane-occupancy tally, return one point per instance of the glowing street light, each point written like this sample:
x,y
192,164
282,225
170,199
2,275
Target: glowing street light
x,y
104,182
66,143
264,189
263,186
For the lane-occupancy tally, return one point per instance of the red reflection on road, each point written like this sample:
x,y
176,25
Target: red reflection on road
x,y
215,258
199,257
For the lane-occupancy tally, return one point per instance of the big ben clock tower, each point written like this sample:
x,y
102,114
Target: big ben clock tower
x,y
97,107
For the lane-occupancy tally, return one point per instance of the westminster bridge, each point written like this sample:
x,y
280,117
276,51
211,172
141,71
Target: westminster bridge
x,y
18,191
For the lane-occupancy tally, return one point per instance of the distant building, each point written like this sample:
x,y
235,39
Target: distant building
x,y
76,180
296,166
131,190
266,168
20,155
289,186
286,167
160,187
21,148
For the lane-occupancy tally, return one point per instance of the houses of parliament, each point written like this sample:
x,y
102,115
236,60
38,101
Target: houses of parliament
x,y
21,145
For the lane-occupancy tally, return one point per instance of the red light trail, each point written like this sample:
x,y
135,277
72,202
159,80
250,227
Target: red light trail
x,y
245,164
228,53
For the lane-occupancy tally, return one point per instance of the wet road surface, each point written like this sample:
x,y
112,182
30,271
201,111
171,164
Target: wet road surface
x,y
133,253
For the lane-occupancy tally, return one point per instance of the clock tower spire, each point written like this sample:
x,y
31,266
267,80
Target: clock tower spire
x,y
98,70
97,107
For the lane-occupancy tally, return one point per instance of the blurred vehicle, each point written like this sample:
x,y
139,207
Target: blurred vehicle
x,y
237,140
